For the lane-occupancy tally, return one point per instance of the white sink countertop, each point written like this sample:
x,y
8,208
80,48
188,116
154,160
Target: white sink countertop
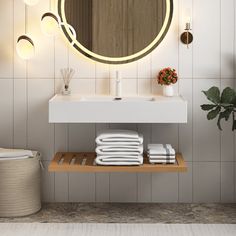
x,y
106,109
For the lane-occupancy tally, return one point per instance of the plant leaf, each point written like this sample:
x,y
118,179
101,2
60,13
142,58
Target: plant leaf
x,y
213,94
224,115
207,107
234,125
213,114
219,121
228,95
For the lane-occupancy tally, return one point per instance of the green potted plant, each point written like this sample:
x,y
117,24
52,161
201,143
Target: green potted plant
x,y
222,106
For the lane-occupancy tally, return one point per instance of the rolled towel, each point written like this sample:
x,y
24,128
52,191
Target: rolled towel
x,y
119,160
161,149
119,138
119,150
15,153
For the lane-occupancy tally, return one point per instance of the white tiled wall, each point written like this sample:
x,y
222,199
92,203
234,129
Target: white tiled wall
x,y
27,86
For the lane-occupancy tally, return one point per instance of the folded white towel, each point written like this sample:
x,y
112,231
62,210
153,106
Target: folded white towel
x,y
119,150
15,153
155,157
119,138
162,161
161,149
119,160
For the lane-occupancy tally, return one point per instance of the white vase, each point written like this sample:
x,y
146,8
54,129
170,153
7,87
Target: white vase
x,y
168,90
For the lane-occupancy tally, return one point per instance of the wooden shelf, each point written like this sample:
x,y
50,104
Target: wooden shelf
x,y
85,162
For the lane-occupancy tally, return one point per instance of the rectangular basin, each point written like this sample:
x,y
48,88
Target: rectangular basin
x,y
105,109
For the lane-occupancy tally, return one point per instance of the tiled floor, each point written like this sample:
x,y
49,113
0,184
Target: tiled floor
x,y
132,213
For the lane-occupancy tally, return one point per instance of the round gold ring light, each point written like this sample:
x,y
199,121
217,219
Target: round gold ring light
x,y
115,60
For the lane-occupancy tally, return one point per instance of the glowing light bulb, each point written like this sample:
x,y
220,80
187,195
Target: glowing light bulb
x,y
25,47
50,24
31,2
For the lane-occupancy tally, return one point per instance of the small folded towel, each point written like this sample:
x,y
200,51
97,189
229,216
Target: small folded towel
x,y
119,150
155,157
119,160
15,154
119,138
162,161
161,149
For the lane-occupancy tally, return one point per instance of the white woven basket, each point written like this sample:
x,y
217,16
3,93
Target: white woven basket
x,y
20,187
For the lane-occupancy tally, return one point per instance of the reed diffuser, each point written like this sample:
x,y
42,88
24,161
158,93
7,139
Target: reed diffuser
x,y
67,75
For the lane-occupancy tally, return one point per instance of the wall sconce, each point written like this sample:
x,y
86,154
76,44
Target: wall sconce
x,y
187,37
31,2
50,24
25,47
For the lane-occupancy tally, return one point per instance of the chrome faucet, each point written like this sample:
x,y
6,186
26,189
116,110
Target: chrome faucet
x,y
118,86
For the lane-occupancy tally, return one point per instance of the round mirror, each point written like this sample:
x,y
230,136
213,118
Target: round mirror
x,y
115,31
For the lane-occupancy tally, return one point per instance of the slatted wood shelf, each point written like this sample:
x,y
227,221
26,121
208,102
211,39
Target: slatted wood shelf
x,y
85,162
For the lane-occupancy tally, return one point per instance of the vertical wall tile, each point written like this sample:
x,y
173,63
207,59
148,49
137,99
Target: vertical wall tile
x,y
206,50
61,55
206,182
61,187
102,71
165,134
47,181
6,39
102,187
19,29
123,187
185,185
20,113
144,187
81,187
42,64
40,132
81,137
227,38
227,135
185,54
102,86
6,107
166,54
206,136
186,130
144,68
227,182
144,87
165,187
84,67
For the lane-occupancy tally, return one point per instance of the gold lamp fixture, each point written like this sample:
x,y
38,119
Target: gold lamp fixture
x,y
187,37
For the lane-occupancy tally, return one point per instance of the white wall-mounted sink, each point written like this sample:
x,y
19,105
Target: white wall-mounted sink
x,y
105,109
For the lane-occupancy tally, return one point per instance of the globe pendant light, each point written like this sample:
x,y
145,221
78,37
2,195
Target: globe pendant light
x,y
31,2
25,47
50,24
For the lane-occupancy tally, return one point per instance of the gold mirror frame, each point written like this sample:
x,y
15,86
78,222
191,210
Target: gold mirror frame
x,y
115,60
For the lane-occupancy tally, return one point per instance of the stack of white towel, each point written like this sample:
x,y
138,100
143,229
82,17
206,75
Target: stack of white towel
x,y
161,154
119,148
14,154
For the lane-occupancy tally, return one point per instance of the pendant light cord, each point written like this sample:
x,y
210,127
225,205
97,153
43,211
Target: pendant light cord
x,y
26,17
